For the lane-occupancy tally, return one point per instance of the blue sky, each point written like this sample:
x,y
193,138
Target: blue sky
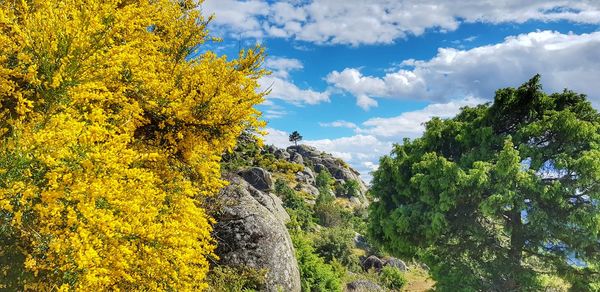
x,y
354,77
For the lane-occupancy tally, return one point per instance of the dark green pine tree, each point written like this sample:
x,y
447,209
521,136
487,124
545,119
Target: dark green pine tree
x,y
295,137
499,195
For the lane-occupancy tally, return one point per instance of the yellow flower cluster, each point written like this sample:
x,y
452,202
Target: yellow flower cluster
x,y
110,138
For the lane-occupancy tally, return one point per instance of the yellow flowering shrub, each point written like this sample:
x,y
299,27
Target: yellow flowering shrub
x,y
111,136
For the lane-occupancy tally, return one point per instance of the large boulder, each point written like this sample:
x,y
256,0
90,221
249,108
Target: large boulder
x,y
258,178
296,158
251,233
372,262
396,263
306,176
363,286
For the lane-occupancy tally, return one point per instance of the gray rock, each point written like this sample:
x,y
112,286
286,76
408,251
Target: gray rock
x,y
320,160
319,167
258,178
363,286
360,241
281,154
250,233
396,263
356,201
305,151
372,262
296,158
306,176
309,189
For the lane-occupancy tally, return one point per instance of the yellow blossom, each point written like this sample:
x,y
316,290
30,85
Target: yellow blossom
x,y
110,139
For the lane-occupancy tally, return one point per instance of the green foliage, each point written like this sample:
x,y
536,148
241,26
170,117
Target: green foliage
x,y
330,214
295,137
235,279
392,278
499,193
315,274
249,152
324,179
301,214
245,154
349,188
337,243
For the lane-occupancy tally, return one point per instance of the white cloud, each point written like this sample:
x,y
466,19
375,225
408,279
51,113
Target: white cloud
x,y
357,22
564,60
339,124
411,124
281,67
375,137
282,87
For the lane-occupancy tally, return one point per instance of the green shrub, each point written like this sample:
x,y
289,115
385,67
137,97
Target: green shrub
x,y
392,278
315,274
324,179
337,244
301,214
234,279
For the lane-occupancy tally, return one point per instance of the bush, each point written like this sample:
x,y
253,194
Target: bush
x,y
392,278
324,179
234,279
301,215
315,274
336,244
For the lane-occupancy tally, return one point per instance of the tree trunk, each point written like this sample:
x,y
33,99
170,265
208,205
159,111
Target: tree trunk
x,y
515,254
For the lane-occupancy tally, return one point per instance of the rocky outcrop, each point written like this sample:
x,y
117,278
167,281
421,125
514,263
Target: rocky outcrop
x,y
320,160
251,232
363,286
258,178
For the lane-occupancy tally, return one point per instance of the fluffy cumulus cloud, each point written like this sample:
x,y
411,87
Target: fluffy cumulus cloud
x,y
282,88
565,60
375,137
357,22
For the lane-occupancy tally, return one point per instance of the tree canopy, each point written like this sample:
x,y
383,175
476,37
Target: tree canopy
x,y
111,136
499,195
295,137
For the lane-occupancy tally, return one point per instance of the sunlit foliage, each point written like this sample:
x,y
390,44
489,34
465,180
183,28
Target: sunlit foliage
x,y
111,135
499,195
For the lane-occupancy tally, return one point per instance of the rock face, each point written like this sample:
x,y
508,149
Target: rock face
x,y
338,168
363,286
251,232
372,262
258,178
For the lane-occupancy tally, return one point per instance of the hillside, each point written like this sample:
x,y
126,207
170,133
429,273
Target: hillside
x,y
295,219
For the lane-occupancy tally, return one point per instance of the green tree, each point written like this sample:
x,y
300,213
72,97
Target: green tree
x,y
499,195
295,137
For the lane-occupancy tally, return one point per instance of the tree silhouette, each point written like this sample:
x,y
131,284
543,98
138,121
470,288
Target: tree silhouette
x,y
295,137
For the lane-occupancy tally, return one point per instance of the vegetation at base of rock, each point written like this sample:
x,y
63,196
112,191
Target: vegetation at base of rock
x,y
315,274
499,195
111,136
392,278
337,243
301,215
235,279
